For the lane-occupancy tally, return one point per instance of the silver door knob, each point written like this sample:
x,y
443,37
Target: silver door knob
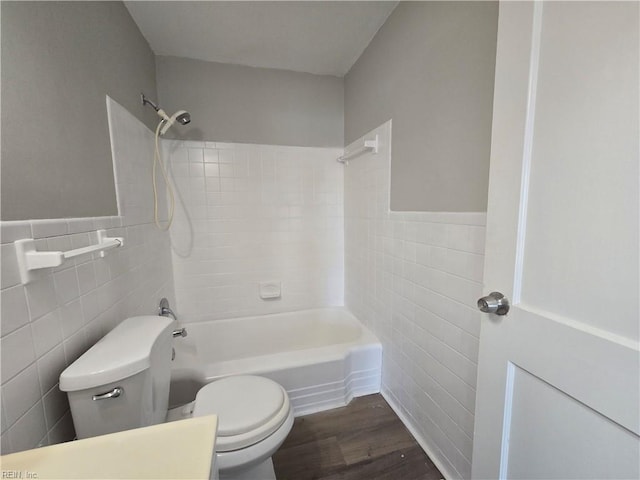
x,y
495,302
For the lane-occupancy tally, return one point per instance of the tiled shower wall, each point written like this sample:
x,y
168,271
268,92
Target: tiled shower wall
x,y
247,214
414,278
48,323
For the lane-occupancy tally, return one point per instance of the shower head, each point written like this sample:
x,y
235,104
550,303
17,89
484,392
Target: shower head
x,y
181,116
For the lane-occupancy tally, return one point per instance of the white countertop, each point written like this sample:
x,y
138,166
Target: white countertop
x,y
174,450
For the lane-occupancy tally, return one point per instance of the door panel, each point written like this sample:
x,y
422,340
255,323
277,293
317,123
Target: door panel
x,y
549,422
558,380
583,179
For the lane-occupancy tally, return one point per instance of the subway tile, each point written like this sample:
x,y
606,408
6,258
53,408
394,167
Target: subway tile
x,y
41,296
226,170
464,264
210,155
3,420
226,146
29,430
10,274
50,366
195,155
436,234
102,272
193,144
196,170
71,285
469,238
79,240
47,332
465,317
177,153
462,290
462,367
180,170
62,431
71,318
461,391
20,393
86,277
117,221
77,225
240,207
211,170
78,343
91,304
5,445
15,313
17,352
240,166
468,346
227,184
55,404
66,285
49,228
432,263
12,231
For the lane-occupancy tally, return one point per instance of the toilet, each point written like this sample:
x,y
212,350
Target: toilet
x,y
122,382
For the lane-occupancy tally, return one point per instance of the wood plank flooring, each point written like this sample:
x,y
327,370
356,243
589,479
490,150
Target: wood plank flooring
x,y
364,440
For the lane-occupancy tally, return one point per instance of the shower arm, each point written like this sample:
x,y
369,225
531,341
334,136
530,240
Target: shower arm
x,y
146,101
165,119
182,116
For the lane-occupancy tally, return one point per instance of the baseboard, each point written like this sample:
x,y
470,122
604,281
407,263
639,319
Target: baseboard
x,y
447,473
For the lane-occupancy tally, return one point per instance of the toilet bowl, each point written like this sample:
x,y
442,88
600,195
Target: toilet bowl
x,y
122,382
255,417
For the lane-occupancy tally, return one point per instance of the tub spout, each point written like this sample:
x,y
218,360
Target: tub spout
x,y
180,332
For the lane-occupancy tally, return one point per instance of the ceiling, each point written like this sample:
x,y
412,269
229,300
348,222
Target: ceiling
x,y
313,36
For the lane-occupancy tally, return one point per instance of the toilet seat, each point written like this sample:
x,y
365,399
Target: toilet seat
x,y
249,409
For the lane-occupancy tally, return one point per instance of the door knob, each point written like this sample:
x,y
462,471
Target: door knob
x,y
495,302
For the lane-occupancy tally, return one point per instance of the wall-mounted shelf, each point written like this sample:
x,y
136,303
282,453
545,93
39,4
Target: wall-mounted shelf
x,y
29,259
366,146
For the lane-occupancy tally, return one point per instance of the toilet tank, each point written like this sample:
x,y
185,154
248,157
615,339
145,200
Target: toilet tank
x,y
122,382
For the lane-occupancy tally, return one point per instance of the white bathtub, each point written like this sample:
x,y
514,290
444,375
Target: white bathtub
x,y
323,357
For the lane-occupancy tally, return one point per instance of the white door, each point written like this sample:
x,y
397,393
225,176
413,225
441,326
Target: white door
x,y
558,382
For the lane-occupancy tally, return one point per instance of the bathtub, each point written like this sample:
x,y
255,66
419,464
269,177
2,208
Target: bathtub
x,y
322,357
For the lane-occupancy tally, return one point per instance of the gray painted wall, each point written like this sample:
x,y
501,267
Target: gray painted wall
x,y
233,103
59,60
430,68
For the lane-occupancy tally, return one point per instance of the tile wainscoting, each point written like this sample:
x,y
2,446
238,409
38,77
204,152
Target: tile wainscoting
x,y
50,322
414,278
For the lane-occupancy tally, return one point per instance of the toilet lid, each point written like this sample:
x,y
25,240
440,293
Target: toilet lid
x,y
249,409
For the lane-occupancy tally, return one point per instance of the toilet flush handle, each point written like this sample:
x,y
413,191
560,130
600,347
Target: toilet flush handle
x,y
115,393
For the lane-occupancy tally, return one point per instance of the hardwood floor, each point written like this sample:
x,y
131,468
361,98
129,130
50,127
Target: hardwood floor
x,y
364,440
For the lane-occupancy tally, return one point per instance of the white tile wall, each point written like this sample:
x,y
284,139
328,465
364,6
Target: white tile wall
x,y
252,213
47,324
245,214
414,278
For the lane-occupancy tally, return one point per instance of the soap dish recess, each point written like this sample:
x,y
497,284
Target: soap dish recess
x,y
270,290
